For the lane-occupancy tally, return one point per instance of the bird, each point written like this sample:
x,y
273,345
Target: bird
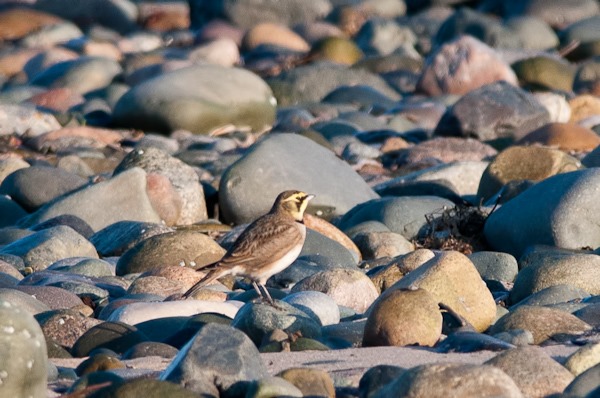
x,y
266,247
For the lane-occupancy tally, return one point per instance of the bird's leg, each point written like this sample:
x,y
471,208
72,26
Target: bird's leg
x,y
260,294
269,299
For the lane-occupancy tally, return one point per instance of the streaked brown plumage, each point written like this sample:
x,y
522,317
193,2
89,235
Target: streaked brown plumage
x,y
268,246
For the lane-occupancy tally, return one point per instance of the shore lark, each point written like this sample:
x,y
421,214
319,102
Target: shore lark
x,y
268,246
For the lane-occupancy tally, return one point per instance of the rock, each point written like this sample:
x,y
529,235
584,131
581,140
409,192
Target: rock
x,y
391,273
402,318
578,271
19,22
311,83
10,165
179,248
330,231
553,295
52,35
272,387
377,377
200,99
65,326
383,37
584,384
157,285
465,21
496,266
589,314
437,380
494,111
557,74
118,15
21,119
534,33
462,65
542,322
446,150
144,388
139,312
564,136
556,105
568,210
317,305
42,248
583,359
55,298
246,14
222,51
99,363
204,371
350,288
585,33
338,50
117,238
534,371
23,301
404,215
258,320
115,336
274,34
92,267
183,177
35,186
122,197
10,212
452,279
375,245
466,341
150,349
554,12
249,187
81,75
587,78
584,106
311,382
68,220
65,138
23,349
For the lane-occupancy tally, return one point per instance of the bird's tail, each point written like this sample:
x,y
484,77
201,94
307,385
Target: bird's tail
x,y
212,275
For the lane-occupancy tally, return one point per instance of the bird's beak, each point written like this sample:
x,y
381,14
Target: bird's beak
x,y
309,197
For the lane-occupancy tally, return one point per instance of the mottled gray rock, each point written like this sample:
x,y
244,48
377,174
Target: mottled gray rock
x,y
199,99
183,177
54,297
80,75
91,267
559,211
496,266
42,248
216,358
259,319
404,215
65,326
122,197
35,186
288,161
23,351
117,238
319,306
382,37
23,301
555,294
273,387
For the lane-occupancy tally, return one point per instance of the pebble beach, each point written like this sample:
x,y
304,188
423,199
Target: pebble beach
x,y
452,247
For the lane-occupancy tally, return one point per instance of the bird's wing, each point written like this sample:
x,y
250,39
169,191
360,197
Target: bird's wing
x,y
259,244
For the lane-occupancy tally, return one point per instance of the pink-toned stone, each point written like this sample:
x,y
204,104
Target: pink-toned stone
x,y
18,22
102,137
274,34
58,99
164,198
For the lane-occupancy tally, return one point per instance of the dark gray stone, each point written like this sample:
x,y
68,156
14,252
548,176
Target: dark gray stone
x,y
117,238
496,266
115,336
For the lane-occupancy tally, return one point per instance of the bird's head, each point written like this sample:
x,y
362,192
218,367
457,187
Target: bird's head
x,y
293,202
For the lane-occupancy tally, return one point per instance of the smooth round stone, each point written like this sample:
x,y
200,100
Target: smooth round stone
x,y
135,313
69,220
319,306
23,301
43,248
272,387
274,34
339,50
587,78
81,75
222,51
311,382
204,371
375,245
158,285
584,32
122,197
435,380
143,387
54,297
351,288
484,113
18,22
465,21
452,279
555,294
150,349
199,99
382,37
99,363
386,276
10,212
52,35
257,320
311,83
10,165
365,96
583,359
179,248
377,377
11,234
117,238
23,351
554,12
565,136
404,215
535,372
496,266
583,107
556,105
249,187
534,33
92,267
557,74
21,119
586,383
183,178
465,341
65,326
404,317
461,66
94,378
516,337
116,336
590,314
580,271
524,163
446,150
542,322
